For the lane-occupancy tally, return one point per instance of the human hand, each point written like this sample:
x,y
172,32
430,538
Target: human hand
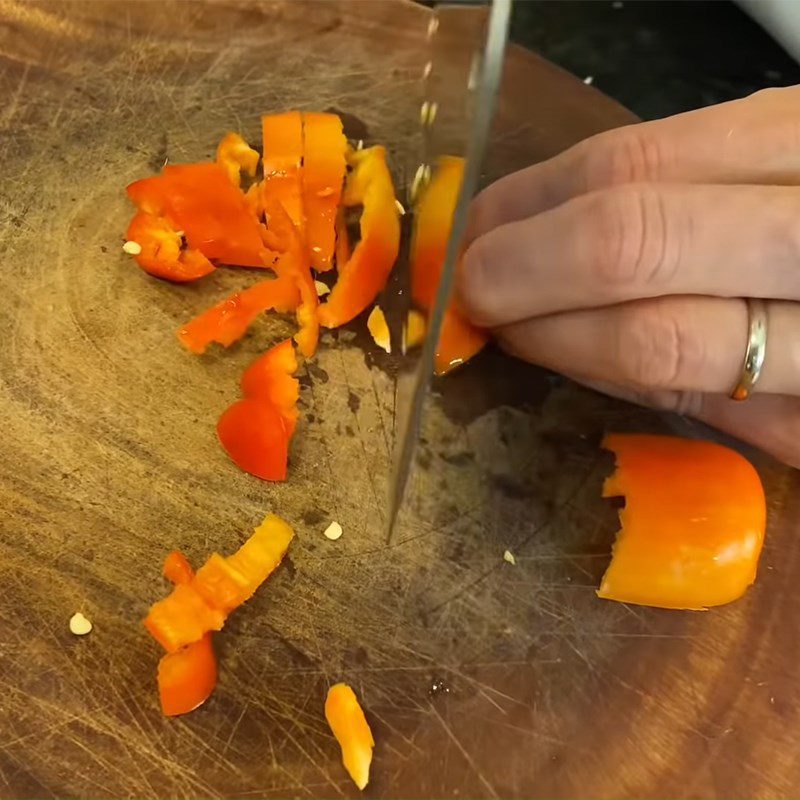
x,y
623,262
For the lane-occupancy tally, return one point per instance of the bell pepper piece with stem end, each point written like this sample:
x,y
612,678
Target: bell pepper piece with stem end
x,y
226,322
162,252
256,438
692,526
235,156
459,340
201,201
365,273
349,725
191,610
324,147
270,378
282,162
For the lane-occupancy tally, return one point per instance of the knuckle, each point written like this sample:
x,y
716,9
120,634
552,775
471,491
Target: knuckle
x,y
477,292
634,154
653,348
635,241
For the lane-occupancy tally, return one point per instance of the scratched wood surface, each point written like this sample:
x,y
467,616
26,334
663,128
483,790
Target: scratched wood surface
x,y
480,678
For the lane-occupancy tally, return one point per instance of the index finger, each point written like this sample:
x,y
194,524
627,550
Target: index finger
x,y
754,140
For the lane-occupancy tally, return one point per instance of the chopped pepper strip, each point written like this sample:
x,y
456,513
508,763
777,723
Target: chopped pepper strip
x,y
162,253
177,569
324,146
235,156
692,527
270,378
256,438
351,729
200,201
194,609
365,273
379,329
187,677
342,254
414,330
283,157
226,322
459,340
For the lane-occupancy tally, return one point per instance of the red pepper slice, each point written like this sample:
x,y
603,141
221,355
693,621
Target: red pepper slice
x,y
201,201
162,253
229,320
693,523
235,156
459,340
366,272
191,610
283,157
270,378
324,147
256,438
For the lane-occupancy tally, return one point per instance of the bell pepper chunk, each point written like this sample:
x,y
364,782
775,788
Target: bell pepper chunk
x,y
692,526
235,156
192,610
270,378
365,273
162,253
459,340
351,729
324,147
226,322
282,161
187,677
200,200
177,569
256,438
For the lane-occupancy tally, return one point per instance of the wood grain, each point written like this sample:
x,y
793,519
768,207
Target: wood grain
x,y
480,679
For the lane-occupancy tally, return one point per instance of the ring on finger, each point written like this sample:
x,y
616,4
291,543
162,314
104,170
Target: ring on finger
x,y
755,351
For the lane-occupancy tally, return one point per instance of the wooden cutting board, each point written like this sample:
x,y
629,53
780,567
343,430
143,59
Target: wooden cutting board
x,y
480,678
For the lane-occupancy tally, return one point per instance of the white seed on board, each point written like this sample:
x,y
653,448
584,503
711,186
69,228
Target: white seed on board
x,y
333,531
132,248
509,557
79,625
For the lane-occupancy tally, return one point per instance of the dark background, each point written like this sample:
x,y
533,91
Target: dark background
x,y
657,57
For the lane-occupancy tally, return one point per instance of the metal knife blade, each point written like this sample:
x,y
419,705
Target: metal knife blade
x,y
488,73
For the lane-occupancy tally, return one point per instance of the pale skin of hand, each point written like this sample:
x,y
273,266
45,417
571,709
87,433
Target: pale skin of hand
x,y
623,262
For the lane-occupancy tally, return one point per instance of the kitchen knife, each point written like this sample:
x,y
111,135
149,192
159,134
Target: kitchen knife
x,y
482,83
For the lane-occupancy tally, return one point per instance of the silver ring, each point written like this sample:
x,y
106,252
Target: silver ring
x,y
756,349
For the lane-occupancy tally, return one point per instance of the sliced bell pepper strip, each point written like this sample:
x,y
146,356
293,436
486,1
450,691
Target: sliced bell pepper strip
x,y
226,322
256,438
324,146
201,201
367,270
270,378
379,329
459,340
194,609
693,523
282,161
162,254
187,677
351,729
177,569
342,253
294,263
235,156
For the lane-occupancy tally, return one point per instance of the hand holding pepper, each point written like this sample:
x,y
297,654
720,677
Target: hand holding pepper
x,y
624,262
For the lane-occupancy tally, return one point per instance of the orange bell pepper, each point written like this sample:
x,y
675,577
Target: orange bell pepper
x,y
256,438
282,160
163,254
193,609
692,527
351,729
324,146
177,569
342,249
226,322
270,378
235,156
200,201
293,263
365,273
459,340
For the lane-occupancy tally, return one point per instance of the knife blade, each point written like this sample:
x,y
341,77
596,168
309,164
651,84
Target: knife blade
x,y
485,75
